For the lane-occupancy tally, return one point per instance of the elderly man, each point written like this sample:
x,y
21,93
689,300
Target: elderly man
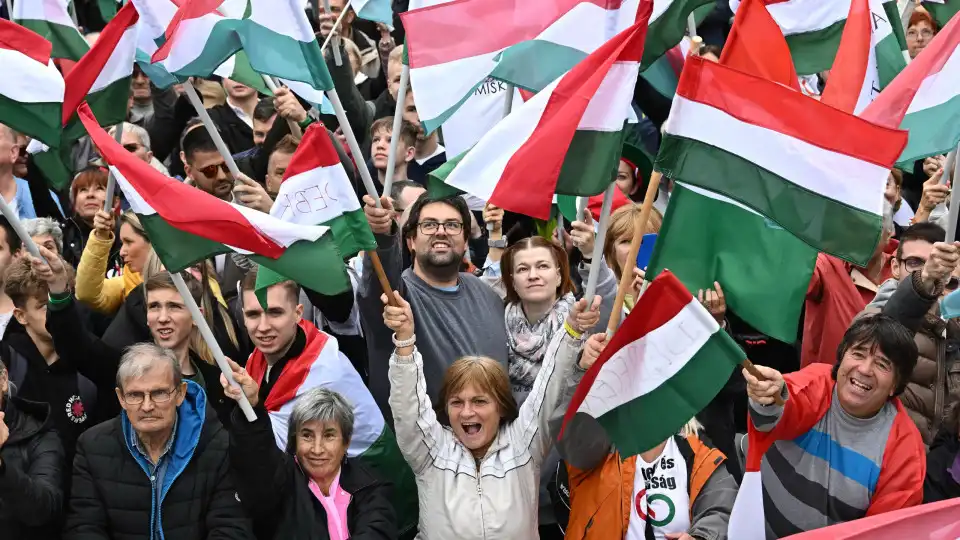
x,y
159,470
136,140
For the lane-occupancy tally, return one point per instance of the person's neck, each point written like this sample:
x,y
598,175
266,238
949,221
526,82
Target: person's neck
x,y
273,358
247,105
46,349
426,148
536,310
399,171
346,31
8,185
437,277
182,352
154,443
324,482
653,453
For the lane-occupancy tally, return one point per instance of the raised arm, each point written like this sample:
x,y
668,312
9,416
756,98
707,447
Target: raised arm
x,y
387,234
93,288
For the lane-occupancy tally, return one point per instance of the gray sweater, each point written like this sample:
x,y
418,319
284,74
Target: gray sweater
x,y
449,324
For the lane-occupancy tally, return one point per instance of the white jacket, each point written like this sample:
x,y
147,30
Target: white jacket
x,y
499,503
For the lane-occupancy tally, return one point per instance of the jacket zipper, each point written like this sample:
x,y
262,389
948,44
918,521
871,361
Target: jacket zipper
x,y
941,385
483,528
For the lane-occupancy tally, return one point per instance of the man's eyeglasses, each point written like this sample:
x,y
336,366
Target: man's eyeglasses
x,y
912,264
156,396
131,147
210,171
431,227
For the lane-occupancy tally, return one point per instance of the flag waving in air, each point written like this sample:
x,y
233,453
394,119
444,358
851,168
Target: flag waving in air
x,y
566,140
51,19
31,89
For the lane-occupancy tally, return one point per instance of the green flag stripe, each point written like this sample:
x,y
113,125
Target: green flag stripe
x,y
67,41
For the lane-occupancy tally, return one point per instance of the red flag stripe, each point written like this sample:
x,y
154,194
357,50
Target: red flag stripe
x,y
850,66
184,207
762,103
465,28
315,151
756,46
17,38
189,9
662,301
80,79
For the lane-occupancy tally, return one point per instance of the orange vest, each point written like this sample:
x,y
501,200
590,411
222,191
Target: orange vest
x,y
600,499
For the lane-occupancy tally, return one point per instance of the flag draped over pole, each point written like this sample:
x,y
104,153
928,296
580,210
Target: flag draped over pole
x,y
31,89
51,19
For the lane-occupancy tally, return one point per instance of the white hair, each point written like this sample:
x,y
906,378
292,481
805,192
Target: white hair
x,y
141,133
139,359
45,225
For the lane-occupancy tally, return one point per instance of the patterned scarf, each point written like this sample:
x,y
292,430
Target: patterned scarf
x,y
528,342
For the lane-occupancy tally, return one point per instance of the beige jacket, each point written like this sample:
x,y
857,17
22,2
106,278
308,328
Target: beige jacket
x,y
498,501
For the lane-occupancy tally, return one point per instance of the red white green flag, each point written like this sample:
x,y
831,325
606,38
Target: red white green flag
x,y
666,362
925,99
51,19
565,140
187,225
31,88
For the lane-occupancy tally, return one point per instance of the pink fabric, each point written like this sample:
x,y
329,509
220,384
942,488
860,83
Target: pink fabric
x,y
336,506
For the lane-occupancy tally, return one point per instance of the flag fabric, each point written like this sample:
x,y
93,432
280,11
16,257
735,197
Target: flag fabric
x,y
275,35
668,25
763,269
764,145
187,225
32,89
374,10
924,100
757,46
566,140
51,19
322,365
53,163
107,9
454,47
932,521
102,76
666,362
941,10
868,59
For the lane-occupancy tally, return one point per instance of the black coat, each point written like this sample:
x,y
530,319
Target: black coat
x,y
939,485
112,495
31,497
276,495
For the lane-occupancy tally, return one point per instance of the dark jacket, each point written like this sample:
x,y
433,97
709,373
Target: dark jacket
x,y
113,497
98,360
236,133
75,234
940,484
275,492
31,497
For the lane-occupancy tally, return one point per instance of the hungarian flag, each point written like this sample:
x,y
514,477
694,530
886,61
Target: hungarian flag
x,y
275,34
374,10
668,25
322,365
454,47
932,521
763,145
925,99
666,362
763,269
187,225
757,46
31,88
102,76
566,140
942,10
51,19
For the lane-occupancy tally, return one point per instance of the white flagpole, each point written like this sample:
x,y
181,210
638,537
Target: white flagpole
x,y
18,228
597,255
507,109
272,86
197,103
333,32
207,335
112,180
395,134
692,27
954,200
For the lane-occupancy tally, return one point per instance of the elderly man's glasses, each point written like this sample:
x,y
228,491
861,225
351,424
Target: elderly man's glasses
x,y
156,396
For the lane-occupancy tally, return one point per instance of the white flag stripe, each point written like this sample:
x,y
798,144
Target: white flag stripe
x,y
54,11
801,16
747,519
717,197
120,63
842,178
644,365
938,88
277,16
196,32
610,106
315,196
29,81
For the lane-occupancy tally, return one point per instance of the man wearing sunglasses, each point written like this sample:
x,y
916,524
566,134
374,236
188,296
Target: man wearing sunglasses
x,y
934,388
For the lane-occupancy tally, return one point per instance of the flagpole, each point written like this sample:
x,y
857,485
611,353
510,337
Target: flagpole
x,y
330,35
112,179
18,228
294,127
367,183
337,59
692,26
207,335
597,255
395,134
197,103
954,202
507,109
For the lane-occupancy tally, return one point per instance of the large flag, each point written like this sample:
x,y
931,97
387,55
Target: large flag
x,y
454,47
764,145
757,46
31,88
942,10
666,362
763,269
187,225
102,76
275,34
668,25
931,521
925,99
322,365
51,19
566,140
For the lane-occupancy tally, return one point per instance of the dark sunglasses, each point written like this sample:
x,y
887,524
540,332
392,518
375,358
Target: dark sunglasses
x,y
131,147
210,171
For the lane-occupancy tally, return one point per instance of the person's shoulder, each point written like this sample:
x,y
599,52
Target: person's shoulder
x,y
103,437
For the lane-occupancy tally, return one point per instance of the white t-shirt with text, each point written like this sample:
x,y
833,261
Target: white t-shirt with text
x,y
660,495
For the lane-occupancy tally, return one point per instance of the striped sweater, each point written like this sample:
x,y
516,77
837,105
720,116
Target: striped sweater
x,y
823,466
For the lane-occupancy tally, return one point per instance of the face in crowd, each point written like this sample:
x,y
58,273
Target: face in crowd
x,y
151,400
536,275
134,247
272,330
210,173
168,318
439,239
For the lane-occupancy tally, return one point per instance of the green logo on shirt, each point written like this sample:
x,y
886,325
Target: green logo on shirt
x,y
671,510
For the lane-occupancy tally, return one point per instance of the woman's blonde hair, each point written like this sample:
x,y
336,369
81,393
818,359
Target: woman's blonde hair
x,y
152,266
622,224
486,375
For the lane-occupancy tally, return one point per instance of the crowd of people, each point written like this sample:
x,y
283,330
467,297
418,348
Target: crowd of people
x,y
432,410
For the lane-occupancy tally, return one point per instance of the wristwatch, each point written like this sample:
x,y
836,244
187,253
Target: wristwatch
x,y
500,243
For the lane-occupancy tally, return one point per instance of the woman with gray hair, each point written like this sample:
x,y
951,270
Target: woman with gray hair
x,y
312,490
45,232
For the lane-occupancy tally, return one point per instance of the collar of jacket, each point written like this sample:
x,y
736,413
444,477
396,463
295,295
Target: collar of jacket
x,y
25,418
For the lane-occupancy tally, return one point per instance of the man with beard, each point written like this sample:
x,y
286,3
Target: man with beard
x,y
207,170
459,315
430,153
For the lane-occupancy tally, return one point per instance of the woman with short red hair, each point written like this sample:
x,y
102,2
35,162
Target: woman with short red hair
x,y
87,193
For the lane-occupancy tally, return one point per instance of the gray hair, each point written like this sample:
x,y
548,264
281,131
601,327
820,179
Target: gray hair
x,y
888,217
136,130
139,359
45,225
322,405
